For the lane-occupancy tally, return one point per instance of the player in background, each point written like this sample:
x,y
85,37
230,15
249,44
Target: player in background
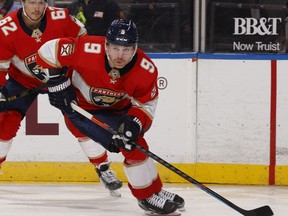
x,y
116,82
8,6
22,32
96,15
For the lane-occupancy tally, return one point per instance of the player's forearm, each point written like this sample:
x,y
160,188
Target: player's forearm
x,y
145,112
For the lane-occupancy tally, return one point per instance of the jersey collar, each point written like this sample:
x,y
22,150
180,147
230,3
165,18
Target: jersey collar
x,y
124,70
25,28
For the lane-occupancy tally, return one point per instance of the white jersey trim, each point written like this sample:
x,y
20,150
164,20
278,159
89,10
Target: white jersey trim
x,y
79,83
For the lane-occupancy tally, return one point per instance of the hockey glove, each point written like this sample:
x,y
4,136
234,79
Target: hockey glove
x,y
3,96
129,130
120,142
113,147
61,94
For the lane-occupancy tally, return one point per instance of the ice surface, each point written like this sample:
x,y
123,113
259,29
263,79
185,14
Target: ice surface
x,y
94,200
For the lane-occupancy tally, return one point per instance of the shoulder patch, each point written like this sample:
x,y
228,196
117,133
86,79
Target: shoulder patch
x,y
66,49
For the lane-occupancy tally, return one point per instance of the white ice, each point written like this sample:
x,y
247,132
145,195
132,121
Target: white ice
x,y
94,200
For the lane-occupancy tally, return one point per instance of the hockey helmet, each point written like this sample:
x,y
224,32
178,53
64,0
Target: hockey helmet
x,y
122,32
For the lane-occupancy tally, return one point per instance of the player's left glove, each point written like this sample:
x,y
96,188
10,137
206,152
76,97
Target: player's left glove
x,y
3,96
120,142
129,130
61,93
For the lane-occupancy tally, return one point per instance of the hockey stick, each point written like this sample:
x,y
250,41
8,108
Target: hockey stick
x,y
262,211
26,92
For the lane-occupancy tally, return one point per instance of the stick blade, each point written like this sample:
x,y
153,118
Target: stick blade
x,y
262,211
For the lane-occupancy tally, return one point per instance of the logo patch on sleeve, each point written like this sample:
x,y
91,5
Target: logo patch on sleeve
x,y
34,69
66,50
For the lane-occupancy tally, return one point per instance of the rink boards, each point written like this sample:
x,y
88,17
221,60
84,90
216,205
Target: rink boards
x,y
220,118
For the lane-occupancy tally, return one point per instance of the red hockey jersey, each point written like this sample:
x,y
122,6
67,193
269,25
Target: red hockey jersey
x,y
19,44
95,88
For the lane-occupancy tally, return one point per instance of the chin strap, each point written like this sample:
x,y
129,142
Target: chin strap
x,y
27,92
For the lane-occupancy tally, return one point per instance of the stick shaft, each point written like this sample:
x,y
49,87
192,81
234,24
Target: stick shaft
x,y
26,92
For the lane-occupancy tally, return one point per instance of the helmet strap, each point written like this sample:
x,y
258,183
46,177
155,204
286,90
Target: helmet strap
x,y
106,51
135,50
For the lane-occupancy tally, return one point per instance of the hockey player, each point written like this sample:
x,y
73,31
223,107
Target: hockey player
x,y
96,15
22,32
116,82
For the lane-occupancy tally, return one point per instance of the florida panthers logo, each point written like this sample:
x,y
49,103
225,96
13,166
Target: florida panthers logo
x,y
105,97
36,70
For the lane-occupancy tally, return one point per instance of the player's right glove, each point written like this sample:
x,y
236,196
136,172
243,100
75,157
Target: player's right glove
x,y
3,96
61,93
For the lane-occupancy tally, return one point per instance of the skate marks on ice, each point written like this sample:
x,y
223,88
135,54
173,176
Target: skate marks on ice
x,y
94,199
63,200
